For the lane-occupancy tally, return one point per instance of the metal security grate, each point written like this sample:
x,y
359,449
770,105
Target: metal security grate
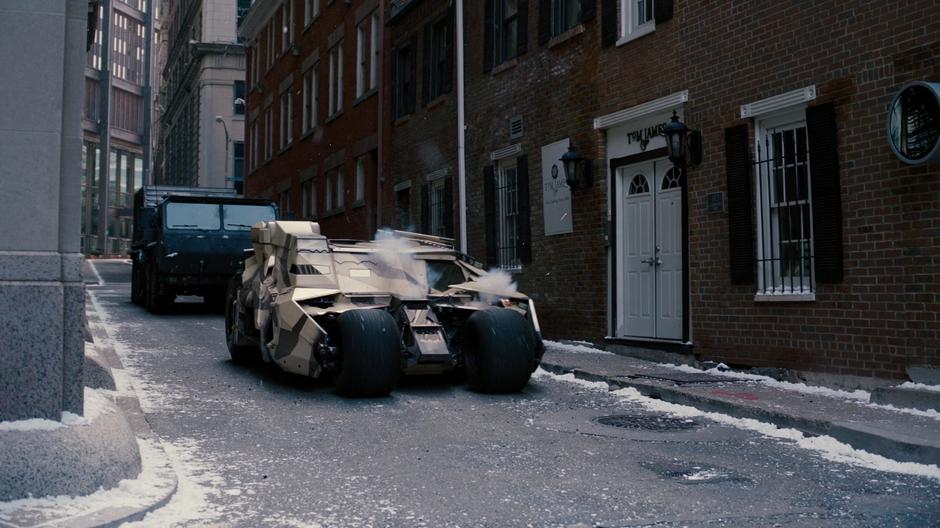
x,y
647,423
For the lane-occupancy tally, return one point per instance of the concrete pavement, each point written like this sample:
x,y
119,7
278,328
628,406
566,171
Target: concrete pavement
x,y
896,434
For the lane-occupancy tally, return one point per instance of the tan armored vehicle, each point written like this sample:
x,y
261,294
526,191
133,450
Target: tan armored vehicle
x,y
366,312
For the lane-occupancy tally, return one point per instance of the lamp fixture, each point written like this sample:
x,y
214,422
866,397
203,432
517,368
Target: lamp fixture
x,y
679,139
578,170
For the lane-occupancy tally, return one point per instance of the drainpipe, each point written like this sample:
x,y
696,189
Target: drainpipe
x,y
461,133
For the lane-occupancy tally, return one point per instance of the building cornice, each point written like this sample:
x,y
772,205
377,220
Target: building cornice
x,y
259,14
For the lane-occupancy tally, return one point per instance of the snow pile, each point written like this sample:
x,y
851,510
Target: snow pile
x,y
575,348
95,405
825,446
494,285
919,386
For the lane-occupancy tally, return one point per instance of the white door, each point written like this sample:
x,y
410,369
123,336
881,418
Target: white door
x,y
651,295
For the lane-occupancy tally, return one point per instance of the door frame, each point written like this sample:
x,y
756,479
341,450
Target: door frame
x,y
617,242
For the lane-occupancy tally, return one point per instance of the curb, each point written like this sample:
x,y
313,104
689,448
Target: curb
x,y
855,435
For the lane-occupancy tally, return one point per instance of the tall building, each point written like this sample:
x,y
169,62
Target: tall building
x,y
314,72
116,123
201,96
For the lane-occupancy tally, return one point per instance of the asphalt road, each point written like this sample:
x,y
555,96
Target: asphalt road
x,y
255,447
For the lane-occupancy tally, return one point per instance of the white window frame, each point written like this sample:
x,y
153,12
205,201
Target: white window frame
x,y
630,27
374,47
286,118
507,257
287,25
336,79
310,98
779,286
362,59
360,179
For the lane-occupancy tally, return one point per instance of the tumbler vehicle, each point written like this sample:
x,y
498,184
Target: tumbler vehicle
x,y
365,312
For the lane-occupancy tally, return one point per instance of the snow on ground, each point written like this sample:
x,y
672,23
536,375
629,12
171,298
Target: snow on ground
x,y
575,348
825,446
136,493
95,405
919,386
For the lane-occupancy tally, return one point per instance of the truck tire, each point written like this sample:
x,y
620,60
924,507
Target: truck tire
x,y
370,354
235,331
155,301
137,283
498,347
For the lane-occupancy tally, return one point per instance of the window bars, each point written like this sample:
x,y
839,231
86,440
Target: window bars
x,y
507,219
784,221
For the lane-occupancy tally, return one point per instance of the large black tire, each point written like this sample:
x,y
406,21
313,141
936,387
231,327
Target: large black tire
x,y
156,301
236,325
498,347
137,282
370,354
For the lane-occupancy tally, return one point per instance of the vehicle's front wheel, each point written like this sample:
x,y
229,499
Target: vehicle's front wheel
x,y
155,300
499,350
370,353
235,327
137,283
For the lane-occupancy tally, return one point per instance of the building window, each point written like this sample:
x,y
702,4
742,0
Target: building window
x,y
439,61
238,166
566,14
636,18
287,25
305,199
311,11
374,46
241,9
361,60
268,132
313,198
336,80
270,32
284,205
784,207
506,30
403,208
507,216
238,101
310,99
253,133
286,119
404,100
436,199
360,178
328,206
340,188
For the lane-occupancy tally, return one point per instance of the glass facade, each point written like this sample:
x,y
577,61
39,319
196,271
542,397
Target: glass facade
x,y
125,177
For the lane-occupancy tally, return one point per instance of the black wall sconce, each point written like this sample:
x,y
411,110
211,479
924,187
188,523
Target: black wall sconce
x,y
680,139
578,170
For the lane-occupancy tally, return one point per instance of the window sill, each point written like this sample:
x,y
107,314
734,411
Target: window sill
x,y
336,115
333,212
309,133
358,203
313,20
365,96
504,66
437,101
566,36
402,120
785,297
639,32
285,148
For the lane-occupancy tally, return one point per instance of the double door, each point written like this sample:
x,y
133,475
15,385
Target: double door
x,y
651,296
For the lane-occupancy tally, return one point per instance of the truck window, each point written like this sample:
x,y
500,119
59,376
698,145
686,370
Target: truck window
x,y
242,217
204,217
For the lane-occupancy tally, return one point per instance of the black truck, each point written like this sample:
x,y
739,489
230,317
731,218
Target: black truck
x,y
190,241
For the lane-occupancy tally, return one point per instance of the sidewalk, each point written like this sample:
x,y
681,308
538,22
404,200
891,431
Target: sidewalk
x,y
910,436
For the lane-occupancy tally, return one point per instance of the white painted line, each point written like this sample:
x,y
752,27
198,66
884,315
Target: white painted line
x,y
97,275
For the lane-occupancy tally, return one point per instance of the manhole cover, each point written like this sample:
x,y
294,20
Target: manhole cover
x,y
647,423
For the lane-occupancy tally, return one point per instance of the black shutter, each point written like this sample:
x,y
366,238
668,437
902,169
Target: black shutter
x,y
662,11
448,207
545,21
740,226
412,93
588,10
827,192
524,240
426,88
488,44
448,82
425,209
608,23
522,42
489,207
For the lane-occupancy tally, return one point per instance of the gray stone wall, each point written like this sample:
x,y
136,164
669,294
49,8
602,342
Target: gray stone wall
x,y
42,55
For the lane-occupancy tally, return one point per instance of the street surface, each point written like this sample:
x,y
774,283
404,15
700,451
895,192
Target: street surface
x,y
255,447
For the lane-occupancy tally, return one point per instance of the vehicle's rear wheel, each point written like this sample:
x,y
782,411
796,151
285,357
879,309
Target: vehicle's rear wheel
x,y
137,283
156,300
499,350
235,327
370,353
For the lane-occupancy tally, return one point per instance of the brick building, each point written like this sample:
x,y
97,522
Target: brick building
x,y
420,112
312,112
